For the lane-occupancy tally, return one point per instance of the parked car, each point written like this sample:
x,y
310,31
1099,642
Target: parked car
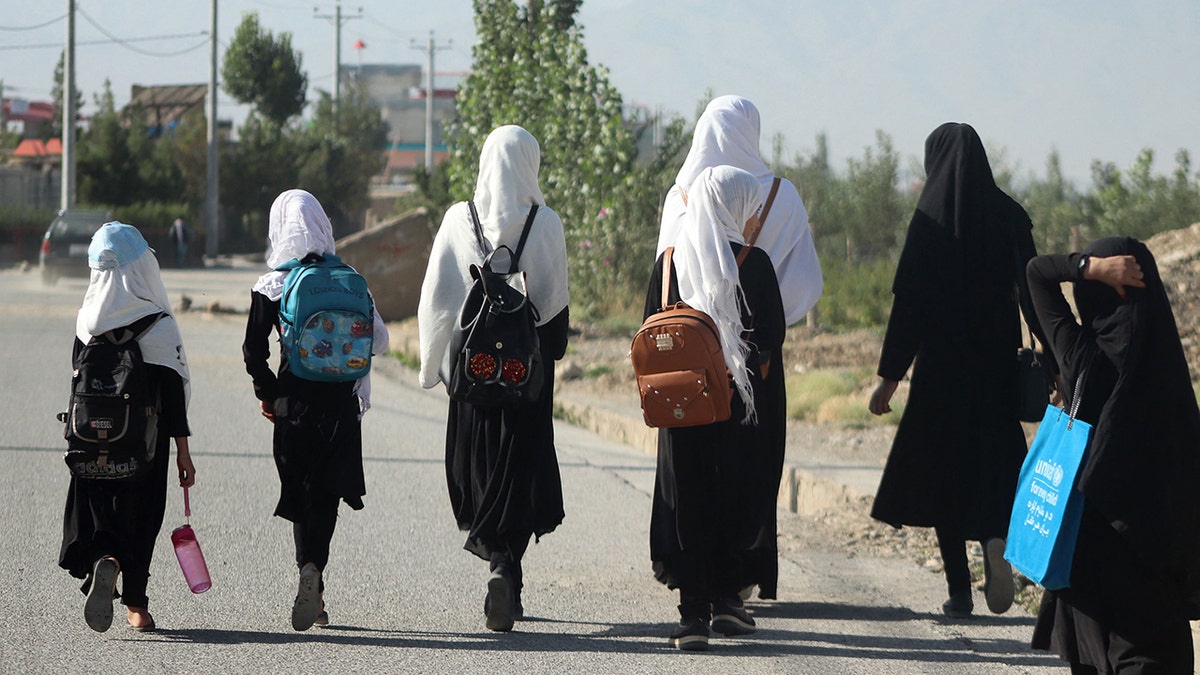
x,y
65,246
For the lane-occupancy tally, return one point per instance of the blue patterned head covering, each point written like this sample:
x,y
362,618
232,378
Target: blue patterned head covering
x,y
115,245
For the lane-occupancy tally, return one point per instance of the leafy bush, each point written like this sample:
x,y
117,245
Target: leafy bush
x,y
857,294
13,217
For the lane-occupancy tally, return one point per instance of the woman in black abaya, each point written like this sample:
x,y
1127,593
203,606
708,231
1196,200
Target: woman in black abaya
x,y
959,445
1135,580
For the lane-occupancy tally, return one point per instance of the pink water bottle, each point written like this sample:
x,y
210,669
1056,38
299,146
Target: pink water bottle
x,y
187,550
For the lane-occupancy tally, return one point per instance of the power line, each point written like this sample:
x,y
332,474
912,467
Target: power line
x,y
40,25
59,45
123,42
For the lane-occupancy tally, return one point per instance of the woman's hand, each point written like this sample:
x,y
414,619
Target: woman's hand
x,y
882,397
183,461
1056,398
268,409
1117,271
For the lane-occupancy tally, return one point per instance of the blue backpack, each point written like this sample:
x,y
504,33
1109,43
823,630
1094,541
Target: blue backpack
x,y
326,319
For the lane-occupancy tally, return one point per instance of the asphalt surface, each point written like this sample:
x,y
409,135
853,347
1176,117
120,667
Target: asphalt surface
x,y
402,594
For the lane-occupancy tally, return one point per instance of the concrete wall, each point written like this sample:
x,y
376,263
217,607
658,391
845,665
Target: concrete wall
x,y
392,257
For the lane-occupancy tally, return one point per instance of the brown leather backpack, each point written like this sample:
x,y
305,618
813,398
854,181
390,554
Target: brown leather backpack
x,y
677,357
681,374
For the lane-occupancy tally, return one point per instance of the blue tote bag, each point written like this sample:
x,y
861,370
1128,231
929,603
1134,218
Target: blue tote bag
x,y
1048,506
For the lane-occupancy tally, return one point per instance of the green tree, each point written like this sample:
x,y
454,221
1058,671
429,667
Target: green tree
x,y
342,153
530,68
55,128
264,71
859,215
1054,206
262,164
107,167
1140,203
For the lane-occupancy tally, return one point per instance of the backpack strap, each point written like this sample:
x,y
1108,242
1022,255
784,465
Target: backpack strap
x,y
134,331
755,228
666,275
479,238
312,257
524,235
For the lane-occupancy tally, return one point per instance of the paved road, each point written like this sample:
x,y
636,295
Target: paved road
x,y
402,595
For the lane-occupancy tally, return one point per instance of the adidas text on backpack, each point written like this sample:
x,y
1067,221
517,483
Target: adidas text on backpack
x,y
326,319
681,374
112,422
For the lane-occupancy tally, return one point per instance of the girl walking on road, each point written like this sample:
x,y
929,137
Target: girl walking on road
x,y
706,514
1134,579
317,441
959,446
110,526
501,465
727,133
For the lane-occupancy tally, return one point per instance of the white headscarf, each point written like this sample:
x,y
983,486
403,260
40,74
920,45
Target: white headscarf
x,y
728,133
505,190
720,201
298,226
126,285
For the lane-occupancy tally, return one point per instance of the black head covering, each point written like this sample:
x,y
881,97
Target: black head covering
x,y
960,241
1143,465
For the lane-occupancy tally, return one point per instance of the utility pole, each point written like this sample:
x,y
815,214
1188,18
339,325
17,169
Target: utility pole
x,y
429,52
339,20
67,199
212,225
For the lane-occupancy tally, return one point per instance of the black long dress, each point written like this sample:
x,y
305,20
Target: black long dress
x,y
707,518
501,465
123,518
959,445
317,441
761,564
1134,578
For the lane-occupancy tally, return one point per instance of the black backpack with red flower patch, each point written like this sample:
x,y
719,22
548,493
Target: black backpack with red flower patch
x,y
497,354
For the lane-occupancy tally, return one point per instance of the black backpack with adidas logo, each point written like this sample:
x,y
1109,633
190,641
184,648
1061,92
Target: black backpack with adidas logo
x,y
112,422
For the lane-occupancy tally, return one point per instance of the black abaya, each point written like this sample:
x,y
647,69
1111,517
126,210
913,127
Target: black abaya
x,y
317,441
123,518
709,526
959,445
501,466
1133,580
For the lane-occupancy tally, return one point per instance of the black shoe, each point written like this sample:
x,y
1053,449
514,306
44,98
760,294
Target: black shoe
x,y
959,606
731,618
98,608
691,635
997,577
498,605
518,608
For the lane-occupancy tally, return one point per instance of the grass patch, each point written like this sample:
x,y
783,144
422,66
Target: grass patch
x,y
410,360
835,395
598,371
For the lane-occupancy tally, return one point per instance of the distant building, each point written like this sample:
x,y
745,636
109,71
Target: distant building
x,y
398,91
32,116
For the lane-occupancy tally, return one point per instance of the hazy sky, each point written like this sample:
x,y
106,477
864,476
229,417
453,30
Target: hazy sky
x,y
1096,79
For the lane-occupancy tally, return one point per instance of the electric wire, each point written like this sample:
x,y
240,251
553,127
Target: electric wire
x,y
40,25
123,42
